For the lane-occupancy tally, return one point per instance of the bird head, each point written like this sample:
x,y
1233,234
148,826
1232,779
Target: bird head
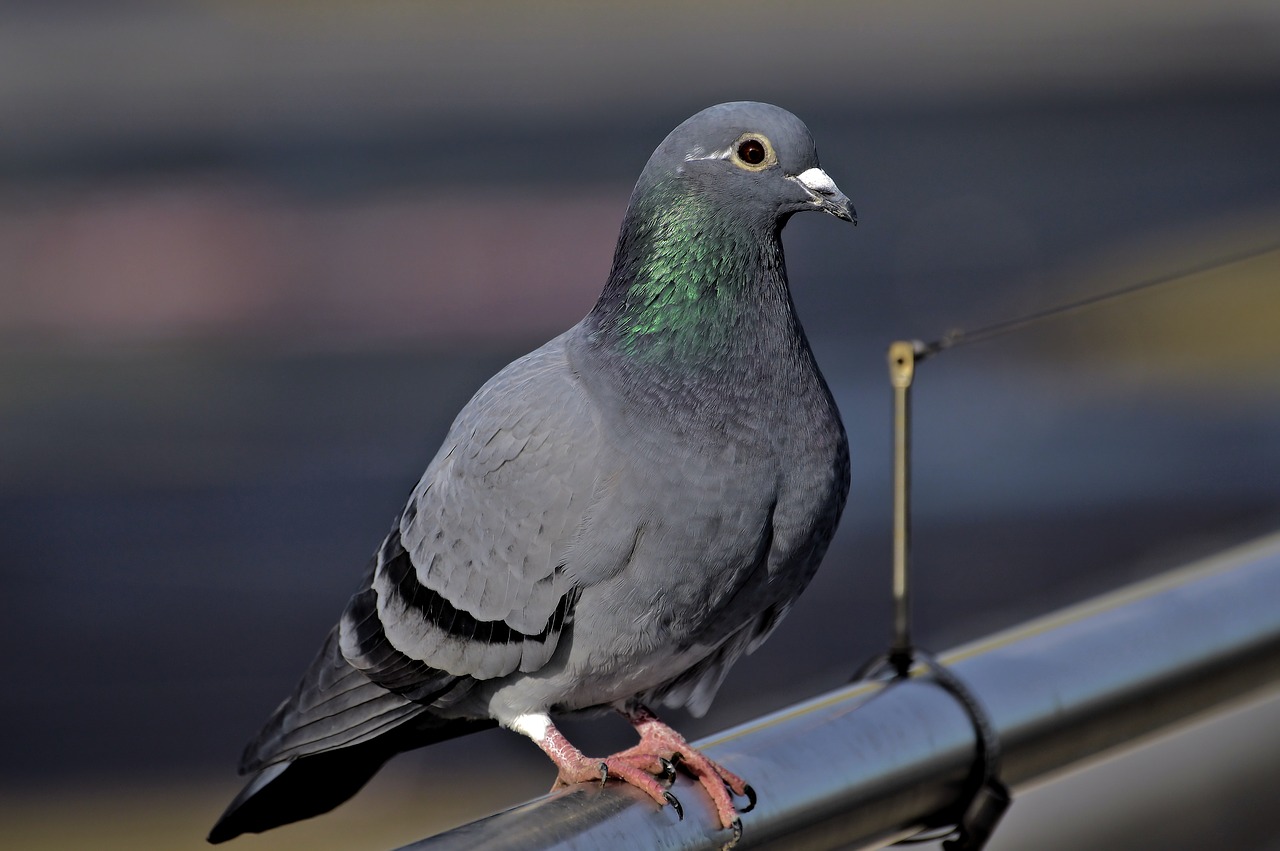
x,y
757,156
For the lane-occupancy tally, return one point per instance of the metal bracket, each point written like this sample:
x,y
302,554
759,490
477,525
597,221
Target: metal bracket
x,y
989,798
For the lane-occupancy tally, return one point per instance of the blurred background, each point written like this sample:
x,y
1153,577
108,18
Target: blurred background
x,y
254,257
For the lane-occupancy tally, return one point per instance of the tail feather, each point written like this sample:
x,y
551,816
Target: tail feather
x,y
324,742
334,706
286,792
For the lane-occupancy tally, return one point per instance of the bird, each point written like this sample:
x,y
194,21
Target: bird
x,y
613,519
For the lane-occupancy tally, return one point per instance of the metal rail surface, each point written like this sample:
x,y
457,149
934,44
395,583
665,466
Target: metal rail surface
x,y
867,764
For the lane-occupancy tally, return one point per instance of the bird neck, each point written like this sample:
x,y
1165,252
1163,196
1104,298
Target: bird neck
x,y
693,284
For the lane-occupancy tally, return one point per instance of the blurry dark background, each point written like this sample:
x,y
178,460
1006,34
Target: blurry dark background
x,y
254,257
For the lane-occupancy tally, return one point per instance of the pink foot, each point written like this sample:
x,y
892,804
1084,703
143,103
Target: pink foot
x,y
635,770
658,741
649,766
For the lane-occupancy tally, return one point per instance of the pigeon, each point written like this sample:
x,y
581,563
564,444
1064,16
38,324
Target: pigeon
x,y
613,519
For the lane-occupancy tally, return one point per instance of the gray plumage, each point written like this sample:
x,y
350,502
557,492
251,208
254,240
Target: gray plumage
x,y
617,516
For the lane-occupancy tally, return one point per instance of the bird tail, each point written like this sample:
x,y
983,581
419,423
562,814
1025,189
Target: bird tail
x,y
285,792
324,742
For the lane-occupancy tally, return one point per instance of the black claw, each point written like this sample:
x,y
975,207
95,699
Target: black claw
x,y
677,758
751,798
604,772
736,827
668,768
675,804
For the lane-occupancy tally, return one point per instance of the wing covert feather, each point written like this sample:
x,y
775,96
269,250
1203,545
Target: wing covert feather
x,y
487,528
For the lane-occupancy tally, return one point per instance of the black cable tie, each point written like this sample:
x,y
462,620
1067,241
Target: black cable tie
x,y
987,797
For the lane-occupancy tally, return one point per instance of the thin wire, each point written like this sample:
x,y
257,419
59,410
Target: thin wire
x,y
960,337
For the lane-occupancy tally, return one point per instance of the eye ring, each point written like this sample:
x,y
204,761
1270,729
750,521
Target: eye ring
x,y
753,152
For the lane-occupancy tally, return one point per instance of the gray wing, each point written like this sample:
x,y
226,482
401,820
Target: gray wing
x,y
471,584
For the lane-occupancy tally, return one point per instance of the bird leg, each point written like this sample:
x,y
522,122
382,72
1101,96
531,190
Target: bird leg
x,y
660,742
638,770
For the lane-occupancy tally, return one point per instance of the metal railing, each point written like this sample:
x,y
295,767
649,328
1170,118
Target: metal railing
x,y
870,763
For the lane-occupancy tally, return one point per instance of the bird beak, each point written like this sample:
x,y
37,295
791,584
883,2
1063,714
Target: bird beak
x,y
826,195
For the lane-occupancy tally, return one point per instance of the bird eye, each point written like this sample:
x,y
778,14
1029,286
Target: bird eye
x,y
751,151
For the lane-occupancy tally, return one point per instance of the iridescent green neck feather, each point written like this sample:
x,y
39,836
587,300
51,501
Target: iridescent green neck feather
x,y
687,275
